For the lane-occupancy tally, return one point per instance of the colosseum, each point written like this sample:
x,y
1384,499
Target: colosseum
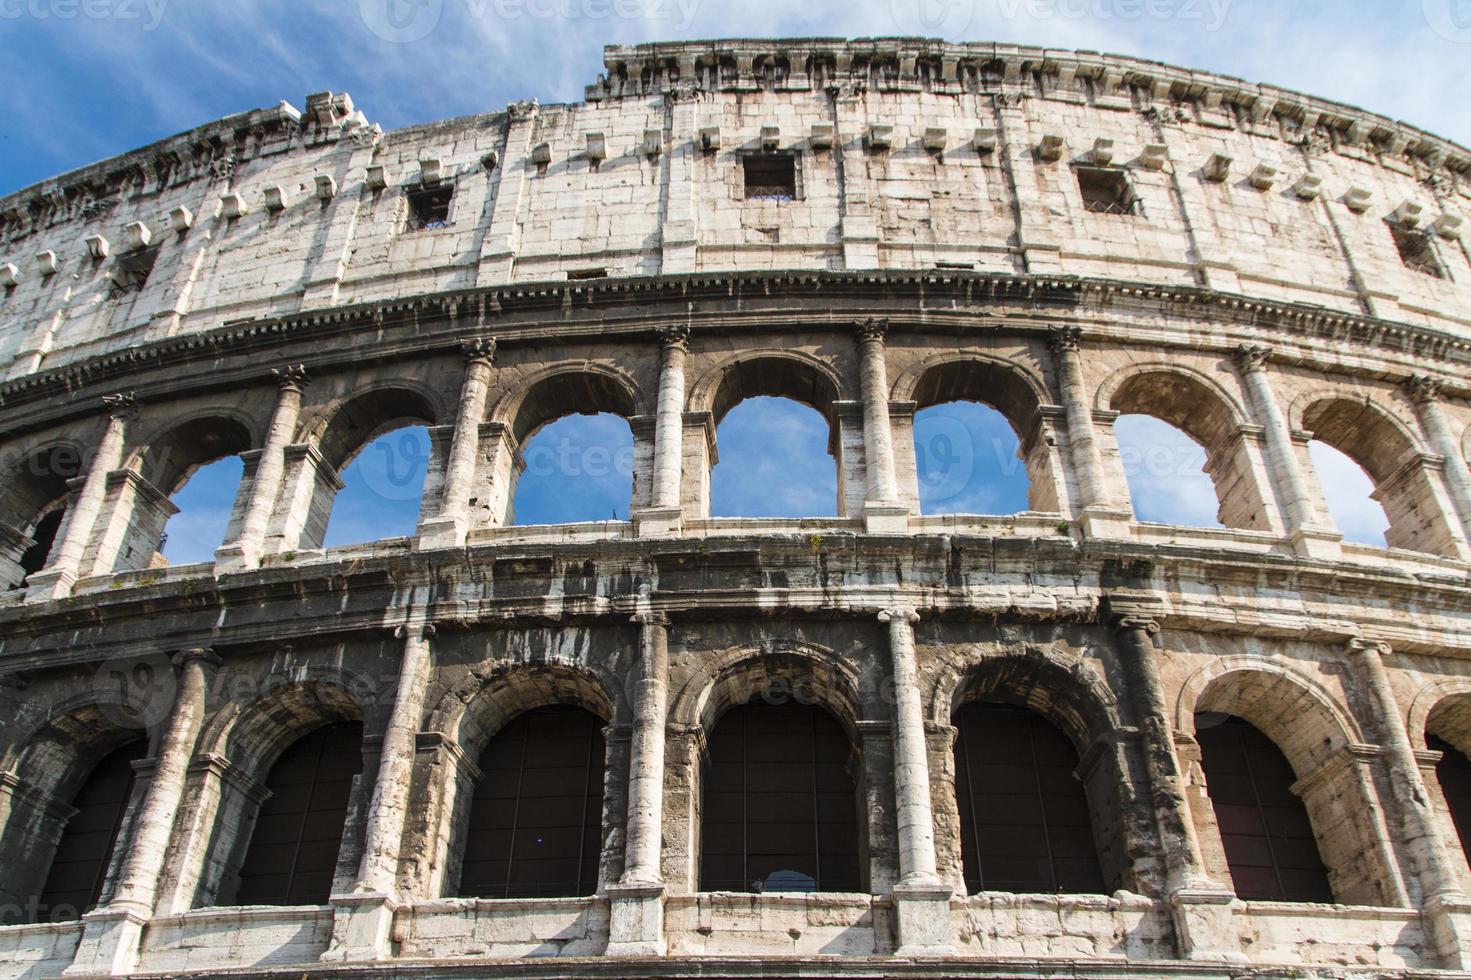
x,y
1061,742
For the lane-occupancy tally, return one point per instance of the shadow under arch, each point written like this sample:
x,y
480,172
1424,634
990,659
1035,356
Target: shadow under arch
x,y
1006,387
1201,407
1069,694
33,501
50,755
777,671
464,721
340,432
1389,451
1319,741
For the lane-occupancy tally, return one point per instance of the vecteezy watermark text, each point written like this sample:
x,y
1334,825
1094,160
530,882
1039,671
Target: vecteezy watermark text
x,y
406,21
146,13
1210,14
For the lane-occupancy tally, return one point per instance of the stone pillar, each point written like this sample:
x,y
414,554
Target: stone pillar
x,y
1308,539
1096,512
882,511
1449,917
265,484
55,580
637,912
362,921
1425,392
921,899
447,529
111,935
1201,907
663,517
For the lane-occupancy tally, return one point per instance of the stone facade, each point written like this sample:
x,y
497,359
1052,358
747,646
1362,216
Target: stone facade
x,y
1277,269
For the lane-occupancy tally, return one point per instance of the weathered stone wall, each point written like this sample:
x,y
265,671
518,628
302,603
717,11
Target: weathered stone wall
x,y
1253,318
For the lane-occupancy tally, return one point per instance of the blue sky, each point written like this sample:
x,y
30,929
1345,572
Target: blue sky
x,y
92,78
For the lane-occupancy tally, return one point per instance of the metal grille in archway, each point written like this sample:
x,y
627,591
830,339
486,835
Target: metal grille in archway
x,y
1269,842
779,808
293,851
536,819
1024,819
84,854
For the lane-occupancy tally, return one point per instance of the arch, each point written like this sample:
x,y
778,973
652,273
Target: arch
x,y
779,374
56,749
1199,406
583,389
345,427
766,670
1318,740
174,450
1447,700
32,504
1439,720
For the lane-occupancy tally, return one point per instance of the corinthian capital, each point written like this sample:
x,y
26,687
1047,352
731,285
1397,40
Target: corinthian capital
x,y
675,335
1423,389
1064,339
872,328
902,614
292,377
480,349
1252,357
121,405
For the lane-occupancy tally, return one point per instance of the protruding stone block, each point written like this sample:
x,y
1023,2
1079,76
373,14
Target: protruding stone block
x,y
1052,146
1308,186
880,136
1408,214
232,205
431,170
636,920
922,914
9,275
710,138
770,137
1102,152
275,198
47,264
1448,225
1263,176
1217,168
652,143
822,136
985,140
1357,199
97,246
1154,156
596,146
181,219
376,177
541,154
935,138
326,187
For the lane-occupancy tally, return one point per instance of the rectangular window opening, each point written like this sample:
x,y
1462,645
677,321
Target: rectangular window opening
x,y
1106,191
1416,252
573,275
429,208
133,268
770,176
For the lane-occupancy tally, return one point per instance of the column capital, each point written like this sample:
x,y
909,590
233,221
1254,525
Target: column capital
x,y
204,656
902,614
291,377
478,350
1132,613
425,631
1423,389
675,336
122,405
871,328
1362,646
649,617
1252,357
1062,339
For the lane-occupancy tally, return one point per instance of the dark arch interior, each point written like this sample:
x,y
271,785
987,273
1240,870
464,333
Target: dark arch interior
x,y
994,385
173,457
778,377
364,418
43,538
1024,818
1182,401
1360,433
535,827
1269,842
1454,773
84,854
293,850
779,808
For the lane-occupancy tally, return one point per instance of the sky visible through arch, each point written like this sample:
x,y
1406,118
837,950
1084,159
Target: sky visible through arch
x,y
99,78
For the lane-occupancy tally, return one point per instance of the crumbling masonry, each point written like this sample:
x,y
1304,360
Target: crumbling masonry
x,y
870,228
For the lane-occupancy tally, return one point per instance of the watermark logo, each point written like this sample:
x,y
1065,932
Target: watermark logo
x,y
135,691
393,467
407,21
147,14
932,18
1211,15
401,21
1450,19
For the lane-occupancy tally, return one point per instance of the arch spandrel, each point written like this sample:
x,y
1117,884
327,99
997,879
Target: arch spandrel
x,y
253,733
578,388
793,374
1007,385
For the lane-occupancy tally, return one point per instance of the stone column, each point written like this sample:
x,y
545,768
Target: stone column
x,y
1201,907
882,511
363,920
447,529
921,899
265,484
1425,392
637,913
111,935
55,580
663,517
1449,916
1095,510
1308,538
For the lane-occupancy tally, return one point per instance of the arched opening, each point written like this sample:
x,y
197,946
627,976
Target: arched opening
x,y
1024,819
779,805
188,493
1453,772
1414,514
1165,470
367,478
774,462
1448,732
980,445
575,459
31,510
1348,492
1184,455
535,826
382,489
1268,839
292,855
88,846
